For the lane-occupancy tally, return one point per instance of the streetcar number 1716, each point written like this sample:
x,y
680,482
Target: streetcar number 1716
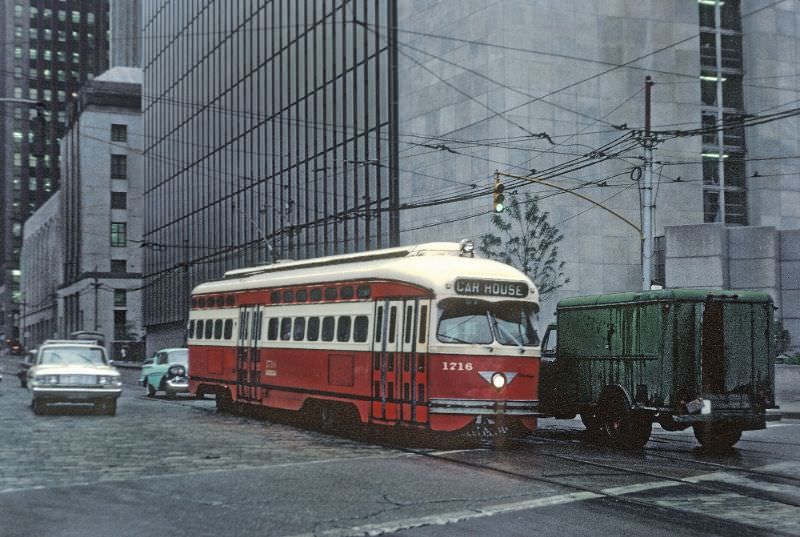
x,y
457,366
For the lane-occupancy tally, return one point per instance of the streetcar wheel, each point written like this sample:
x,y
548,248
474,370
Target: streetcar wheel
x,y
623,427
224,401
151,390
717,436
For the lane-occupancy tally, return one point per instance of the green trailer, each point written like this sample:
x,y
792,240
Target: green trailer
x,y
677,357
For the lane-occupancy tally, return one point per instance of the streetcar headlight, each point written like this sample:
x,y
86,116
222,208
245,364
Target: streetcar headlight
x,y
498,380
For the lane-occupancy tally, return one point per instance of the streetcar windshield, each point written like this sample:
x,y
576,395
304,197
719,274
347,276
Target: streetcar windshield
x,y
481,322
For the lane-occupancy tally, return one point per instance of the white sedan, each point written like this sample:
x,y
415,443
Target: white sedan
x,y
73,372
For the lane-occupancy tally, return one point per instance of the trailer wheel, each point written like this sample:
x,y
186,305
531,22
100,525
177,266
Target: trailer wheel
x,y
717,436
590,420
622,426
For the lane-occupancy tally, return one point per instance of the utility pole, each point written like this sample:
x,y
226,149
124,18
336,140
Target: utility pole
x,y
647,191
96,286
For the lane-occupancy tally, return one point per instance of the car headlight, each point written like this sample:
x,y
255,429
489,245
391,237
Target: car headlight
x,y
498,380
176,371
108,380
46,379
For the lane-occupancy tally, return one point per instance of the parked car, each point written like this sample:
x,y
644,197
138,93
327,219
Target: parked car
x,y
166,371
73,372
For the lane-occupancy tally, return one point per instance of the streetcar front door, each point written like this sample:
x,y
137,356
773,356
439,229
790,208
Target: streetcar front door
x,y
248,354
399,382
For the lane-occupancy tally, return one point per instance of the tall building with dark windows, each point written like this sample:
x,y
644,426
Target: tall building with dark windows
x,y
269,129
50,48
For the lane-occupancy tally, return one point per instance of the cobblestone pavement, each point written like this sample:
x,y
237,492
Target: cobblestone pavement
x,y
177,467
147,437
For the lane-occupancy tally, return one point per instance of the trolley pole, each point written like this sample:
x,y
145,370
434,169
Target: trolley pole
x,y
647,191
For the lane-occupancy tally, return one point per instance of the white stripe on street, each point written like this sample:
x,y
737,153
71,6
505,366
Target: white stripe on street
x,y
785,517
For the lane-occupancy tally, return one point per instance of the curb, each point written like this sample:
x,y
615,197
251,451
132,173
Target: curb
x,y
127,365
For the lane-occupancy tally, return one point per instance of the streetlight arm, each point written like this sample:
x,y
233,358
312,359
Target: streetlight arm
x,y
581,196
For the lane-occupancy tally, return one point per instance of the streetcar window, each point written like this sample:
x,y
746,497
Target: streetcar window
x,y
199,329
360,328
312,330
275,297
346,292
229,300
194,302
464,321
343,329
512,324
201,302
379,324
363,291
220,301
299,332
316,294
286,328
288,295
477,321
327,328
302,295
244,319
392,322
272,329
256,332
330,293
423,323
218,329
191,328
409,320
228,328
209,329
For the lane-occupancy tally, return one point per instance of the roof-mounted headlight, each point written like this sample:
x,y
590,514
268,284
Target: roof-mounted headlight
x,y
467,247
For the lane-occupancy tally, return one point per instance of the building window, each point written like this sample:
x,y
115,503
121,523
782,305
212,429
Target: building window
x,y
119,167
119,265
119,234
120,298
119,133
120,320
119,200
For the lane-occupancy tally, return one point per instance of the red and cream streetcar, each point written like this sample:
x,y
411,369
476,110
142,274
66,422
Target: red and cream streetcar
x,y
423,337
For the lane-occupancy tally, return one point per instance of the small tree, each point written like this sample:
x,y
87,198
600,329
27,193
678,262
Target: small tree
x,y
527,241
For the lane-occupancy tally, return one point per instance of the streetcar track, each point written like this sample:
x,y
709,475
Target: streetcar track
x,y
607,494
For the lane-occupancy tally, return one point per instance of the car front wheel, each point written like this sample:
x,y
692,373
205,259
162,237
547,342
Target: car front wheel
x,y
151,390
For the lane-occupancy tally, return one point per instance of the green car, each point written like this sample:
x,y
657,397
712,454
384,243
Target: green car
x,y
166,371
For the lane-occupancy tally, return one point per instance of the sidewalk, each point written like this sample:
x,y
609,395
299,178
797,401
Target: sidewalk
x,y
787,390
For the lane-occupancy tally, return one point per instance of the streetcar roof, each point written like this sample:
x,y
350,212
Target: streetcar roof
x,y
434,266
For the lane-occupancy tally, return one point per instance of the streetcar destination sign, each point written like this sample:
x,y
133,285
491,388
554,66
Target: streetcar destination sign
x,y
491,288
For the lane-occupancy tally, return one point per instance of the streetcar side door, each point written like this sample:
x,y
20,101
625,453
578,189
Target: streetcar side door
x,y
388,315
412,383
399,361
248,354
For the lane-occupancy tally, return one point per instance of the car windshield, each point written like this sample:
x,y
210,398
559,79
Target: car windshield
x,y
481,322
179,357
72,356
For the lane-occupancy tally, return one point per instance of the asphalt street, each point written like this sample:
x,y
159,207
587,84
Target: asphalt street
x,y
178,467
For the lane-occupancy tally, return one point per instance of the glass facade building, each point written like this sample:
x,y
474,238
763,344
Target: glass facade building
x,y
268,129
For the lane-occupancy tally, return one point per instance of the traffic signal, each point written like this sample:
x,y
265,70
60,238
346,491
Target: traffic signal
x,y
498,199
